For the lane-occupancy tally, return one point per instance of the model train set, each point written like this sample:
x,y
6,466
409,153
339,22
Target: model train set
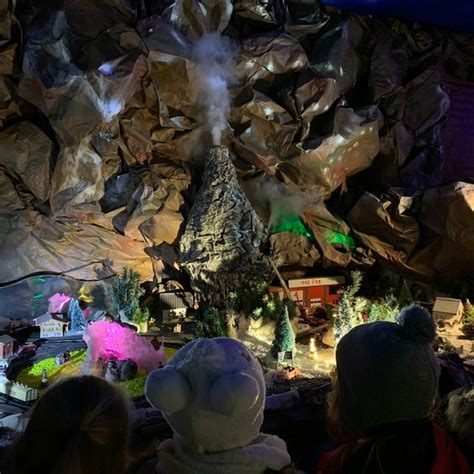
x,y
222,215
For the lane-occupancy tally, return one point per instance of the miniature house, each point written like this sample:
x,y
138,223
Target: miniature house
x,y
449,310
174,305
51,325
6,346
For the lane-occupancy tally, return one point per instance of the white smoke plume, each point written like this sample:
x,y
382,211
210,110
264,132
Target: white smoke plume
x,y
272,199
215,58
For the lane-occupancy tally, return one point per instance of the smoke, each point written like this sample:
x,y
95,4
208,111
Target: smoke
x,y
110,108
284,201
215,58
273,199
107,69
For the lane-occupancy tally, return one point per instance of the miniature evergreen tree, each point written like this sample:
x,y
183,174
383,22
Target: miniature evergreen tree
x,y
405,297
346,308
284,336
78,321
126,293
342,323
212,324
251,300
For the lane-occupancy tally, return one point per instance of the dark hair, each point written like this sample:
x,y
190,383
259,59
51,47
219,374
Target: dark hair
x,y
79,426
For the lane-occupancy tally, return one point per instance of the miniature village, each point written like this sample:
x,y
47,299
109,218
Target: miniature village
x,y
169,174
292,329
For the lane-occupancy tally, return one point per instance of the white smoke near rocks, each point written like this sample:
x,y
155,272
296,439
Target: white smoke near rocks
x,y
215,58
273,199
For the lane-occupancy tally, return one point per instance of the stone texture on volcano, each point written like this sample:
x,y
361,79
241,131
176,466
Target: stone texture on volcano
x,y
221,245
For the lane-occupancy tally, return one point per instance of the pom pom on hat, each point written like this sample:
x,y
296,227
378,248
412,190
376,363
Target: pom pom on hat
x,y
417,324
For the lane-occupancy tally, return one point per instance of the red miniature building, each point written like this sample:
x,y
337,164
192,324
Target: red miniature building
x,y
313,293
6,346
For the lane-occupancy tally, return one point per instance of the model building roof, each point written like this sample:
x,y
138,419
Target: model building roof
x,y
48,316
175,299
446,305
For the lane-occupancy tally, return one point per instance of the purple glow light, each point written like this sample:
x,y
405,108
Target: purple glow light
x,y
57,302
109,339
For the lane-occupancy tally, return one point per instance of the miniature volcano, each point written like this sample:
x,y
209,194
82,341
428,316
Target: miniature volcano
x,y
221,246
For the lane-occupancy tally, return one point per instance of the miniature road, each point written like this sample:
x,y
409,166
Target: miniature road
x,y
51,348
47,348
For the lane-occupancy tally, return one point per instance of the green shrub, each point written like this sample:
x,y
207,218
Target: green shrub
x,y
385,310
468,313
126,292
212,324
141,316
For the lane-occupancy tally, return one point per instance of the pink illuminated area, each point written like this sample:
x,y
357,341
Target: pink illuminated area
x,y
111,340
57,302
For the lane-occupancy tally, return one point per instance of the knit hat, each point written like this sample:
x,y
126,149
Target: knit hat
x,y
387,372
212,394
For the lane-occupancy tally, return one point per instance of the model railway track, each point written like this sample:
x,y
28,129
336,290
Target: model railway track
x,y
57,340
14,402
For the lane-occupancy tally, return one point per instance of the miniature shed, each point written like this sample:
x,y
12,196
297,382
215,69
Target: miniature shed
x,y
175,305
449,310
51,325
6,346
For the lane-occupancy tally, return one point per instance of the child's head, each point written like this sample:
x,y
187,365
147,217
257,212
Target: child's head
x,y
212,393
386,373
79,426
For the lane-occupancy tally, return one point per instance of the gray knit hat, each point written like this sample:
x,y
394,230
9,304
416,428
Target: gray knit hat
x,y
387,372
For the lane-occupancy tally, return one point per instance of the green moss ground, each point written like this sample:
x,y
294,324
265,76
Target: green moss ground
x,y
31,376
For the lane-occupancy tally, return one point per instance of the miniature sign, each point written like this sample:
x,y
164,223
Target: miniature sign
x,y
285,358
312,293
305,282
